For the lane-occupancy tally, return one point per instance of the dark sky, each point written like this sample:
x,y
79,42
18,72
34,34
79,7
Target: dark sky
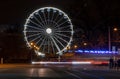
x,y
87,15
16,11
82,12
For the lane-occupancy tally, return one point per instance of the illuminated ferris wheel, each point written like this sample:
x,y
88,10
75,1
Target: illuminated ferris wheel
x,y
48,30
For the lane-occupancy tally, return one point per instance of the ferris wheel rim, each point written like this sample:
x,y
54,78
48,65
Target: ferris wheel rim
x,y
71,26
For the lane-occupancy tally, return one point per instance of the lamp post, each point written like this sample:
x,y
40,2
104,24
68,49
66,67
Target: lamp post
x,y
109,39
109,36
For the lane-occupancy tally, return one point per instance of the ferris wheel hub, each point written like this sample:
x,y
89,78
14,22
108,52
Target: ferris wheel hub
x,y
49,30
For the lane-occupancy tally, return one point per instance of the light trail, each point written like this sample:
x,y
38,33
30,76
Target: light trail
x,y
81,62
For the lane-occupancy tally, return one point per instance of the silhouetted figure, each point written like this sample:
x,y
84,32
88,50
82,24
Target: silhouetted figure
x,y
115,64
118,63
111,63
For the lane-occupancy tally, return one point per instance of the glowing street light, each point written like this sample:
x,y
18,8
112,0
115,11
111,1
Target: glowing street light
x,y
34,46
84,44
75,46
37,48
115,29
31,43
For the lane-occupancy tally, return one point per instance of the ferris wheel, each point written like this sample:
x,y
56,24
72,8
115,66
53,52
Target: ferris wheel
x,y
48,30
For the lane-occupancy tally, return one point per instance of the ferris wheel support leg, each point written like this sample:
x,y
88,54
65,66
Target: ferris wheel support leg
x,y
1,60
59,58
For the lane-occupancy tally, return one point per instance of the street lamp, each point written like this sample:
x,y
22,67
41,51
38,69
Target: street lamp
x,y
85,44
75,46
31,43
115,29
109,39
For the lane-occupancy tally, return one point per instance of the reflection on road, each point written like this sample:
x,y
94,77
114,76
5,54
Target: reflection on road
x,y
57,72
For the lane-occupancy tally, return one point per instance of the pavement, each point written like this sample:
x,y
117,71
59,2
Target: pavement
x,y
47,71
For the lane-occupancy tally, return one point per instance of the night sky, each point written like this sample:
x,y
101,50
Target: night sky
x,y
82,12
15,11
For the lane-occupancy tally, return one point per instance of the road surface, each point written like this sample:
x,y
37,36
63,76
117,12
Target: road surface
x,y
16,71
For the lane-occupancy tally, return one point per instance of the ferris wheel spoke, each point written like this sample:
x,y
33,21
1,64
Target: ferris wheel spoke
x,y
33,35
64,31
48,45
52,16
33,31
35,23
48,10
62,35
38,21
44,17
37,28
56,17
61,38
42,42
55,44
62,27
60,24
41,19
60,19
35,39
59,42
52,46
39,40
43,49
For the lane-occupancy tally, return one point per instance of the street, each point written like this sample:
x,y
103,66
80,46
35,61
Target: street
x,y
56,72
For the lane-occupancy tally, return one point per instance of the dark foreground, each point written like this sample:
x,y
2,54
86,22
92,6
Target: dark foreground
x,y
17,71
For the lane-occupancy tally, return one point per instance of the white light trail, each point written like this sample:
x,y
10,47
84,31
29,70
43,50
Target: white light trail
x,y
76,62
